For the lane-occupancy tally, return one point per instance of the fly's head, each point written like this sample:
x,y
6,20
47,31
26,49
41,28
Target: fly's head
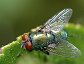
x,y
26,43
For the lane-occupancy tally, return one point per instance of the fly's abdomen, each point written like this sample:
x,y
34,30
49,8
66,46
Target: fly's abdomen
x,y
40,39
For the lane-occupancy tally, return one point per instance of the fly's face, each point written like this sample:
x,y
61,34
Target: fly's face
x,y
25,37
26,42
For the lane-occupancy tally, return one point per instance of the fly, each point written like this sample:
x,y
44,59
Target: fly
x,y
51,38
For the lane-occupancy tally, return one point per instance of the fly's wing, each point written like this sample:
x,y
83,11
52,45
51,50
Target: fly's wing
x,y
57,22
63,48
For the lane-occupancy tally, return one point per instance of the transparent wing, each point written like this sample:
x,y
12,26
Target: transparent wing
x,y
57,22
64,48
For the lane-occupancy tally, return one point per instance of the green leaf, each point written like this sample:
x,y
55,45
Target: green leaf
x,y
14,54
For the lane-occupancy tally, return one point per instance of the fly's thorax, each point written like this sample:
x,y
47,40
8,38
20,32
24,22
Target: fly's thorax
x,y
40,39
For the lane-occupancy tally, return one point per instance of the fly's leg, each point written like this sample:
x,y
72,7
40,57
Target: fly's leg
x,y
44,49
46,52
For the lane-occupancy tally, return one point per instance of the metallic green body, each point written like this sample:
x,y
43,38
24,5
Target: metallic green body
x,y
40,39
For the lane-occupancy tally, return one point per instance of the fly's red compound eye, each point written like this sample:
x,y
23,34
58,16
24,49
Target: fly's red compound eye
x,y
28,46
25,37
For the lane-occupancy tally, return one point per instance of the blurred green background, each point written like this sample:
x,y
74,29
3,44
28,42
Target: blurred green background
x,y
19,16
